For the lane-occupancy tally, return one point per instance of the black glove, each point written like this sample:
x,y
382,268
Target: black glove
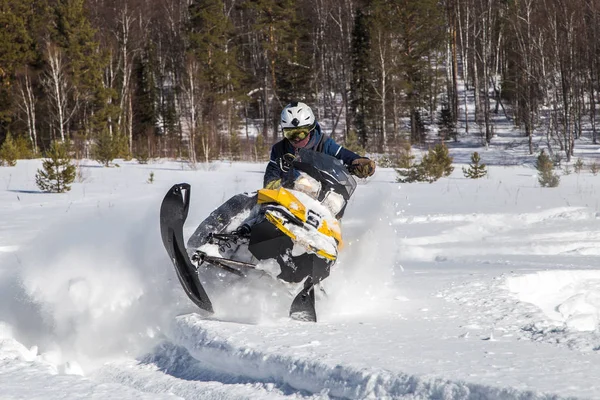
x,y
362,167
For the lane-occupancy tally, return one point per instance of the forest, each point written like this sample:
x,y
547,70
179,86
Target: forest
x,y
207,79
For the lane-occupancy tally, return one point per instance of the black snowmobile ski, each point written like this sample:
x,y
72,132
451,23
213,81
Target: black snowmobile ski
x,y
173,213
303,306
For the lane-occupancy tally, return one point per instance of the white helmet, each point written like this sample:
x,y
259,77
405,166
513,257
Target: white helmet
x,y
297,115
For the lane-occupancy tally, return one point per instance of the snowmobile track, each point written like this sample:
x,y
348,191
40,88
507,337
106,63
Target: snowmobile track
x,y
238,363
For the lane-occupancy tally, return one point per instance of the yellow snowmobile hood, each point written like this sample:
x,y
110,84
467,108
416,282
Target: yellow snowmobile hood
x,y
287,199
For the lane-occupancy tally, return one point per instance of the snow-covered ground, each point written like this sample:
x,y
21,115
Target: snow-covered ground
x,y
460,289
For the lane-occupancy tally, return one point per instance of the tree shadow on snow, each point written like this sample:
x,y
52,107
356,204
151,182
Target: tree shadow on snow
x,y
26,191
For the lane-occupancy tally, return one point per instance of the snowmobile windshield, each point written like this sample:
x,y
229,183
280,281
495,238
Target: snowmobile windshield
x,y
329,169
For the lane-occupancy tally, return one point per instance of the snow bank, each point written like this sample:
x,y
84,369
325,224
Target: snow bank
x,y
569,297
205,342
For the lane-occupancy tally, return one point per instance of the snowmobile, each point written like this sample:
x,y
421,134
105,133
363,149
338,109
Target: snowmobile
x,y
298,225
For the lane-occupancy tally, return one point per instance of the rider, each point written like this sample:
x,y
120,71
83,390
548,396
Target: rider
x,y
302,131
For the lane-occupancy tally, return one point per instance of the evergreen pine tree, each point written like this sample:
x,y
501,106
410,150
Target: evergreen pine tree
x,y
545,167
447,129
122,146
9,153
87,62
434,165
23,146
409,171
361,94
106,149
16,45
235,145
260,148
217,80
421,35
145,113
475,170
578,166
286,49
58,173
405,158
293,52
437,163
141,152
210,32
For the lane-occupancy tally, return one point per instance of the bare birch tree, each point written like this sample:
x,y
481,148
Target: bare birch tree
x,y
125,23
59,89
528,83
28,106
192,105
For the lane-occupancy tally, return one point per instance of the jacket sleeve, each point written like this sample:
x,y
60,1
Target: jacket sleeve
x,y
272,172
333,149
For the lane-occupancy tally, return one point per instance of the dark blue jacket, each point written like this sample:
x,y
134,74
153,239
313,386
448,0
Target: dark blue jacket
x,y
329,146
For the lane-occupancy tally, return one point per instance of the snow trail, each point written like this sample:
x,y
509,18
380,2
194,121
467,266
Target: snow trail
x,y
240,362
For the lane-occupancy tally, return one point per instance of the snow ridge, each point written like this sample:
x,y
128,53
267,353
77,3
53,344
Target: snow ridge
x,y
317,376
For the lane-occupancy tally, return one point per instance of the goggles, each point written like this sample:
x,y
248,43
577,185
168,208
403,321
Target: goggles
x,y
297,134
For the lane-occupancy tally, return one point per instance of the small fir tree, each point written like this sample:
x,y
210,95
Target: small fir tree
x,y
408,171
23,146
545,167
106,149
58,173
410,174
140,151
142,157
578,166
122,147
437,163
447,129
235,145
260,148
9,153
475,170
405,158
594,168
